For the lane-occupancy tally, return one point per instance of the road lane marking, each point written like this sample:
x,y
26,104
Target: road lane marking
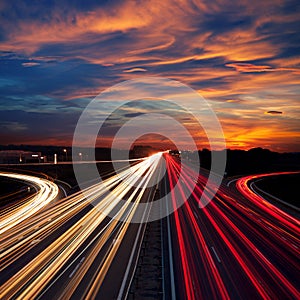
x,y
213,249
231,181
195,213
75,269
255,189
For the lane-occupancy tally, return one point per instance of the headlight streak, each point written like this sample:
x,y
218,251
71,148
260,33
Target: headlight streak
x,y
47,191
32,278
246,229
25,232
91,292
15,204
129,211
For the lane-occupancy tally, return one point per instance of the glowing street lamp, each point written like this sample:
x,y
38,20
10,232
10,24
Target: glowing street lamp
x,y
65,150
80,155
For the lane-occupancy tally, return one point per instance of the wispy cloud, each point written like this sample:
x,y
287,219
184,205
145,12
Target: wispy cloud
x,y
245,68
12,126
135,70
30,64
243,57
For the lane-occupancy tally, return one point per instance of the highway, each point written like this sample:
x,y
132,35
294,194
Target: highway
x,y
243,247
46,191
239,246
62,243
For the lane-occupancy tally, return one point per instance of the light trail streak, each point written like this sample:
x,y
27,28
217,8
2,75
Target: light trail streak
x,y
34,277
96,283
232,236
261,258
58,213
173,168
183,251
243,186
47,191
233,247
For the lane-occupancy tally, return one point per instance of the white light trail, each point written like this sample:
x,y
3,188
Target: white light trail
x,y
34,277
47,191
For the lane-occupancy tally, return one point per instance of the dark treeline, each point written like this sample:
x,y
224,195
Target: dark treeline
x,y
256,160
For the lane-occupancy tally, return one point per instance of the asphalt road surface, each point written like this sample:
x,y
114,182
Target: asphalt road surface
x,y
86,246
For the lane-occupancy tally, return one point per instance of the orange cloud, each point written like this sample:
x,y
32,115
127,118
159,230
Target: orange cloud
x,y
29,36
238,67
135,70
30,64
245,68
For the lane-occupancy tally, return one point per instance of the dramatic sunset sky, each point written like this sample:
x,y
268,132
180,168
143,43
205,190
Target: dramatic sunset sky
x,y
242,56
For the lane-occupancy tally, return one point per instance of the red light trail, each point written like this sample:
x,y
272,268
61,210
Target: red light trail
x,y
237,246
229,223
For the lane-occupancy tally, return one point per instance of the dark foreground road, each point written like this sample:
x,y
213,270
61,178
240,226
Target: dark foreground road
x,y
239,246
